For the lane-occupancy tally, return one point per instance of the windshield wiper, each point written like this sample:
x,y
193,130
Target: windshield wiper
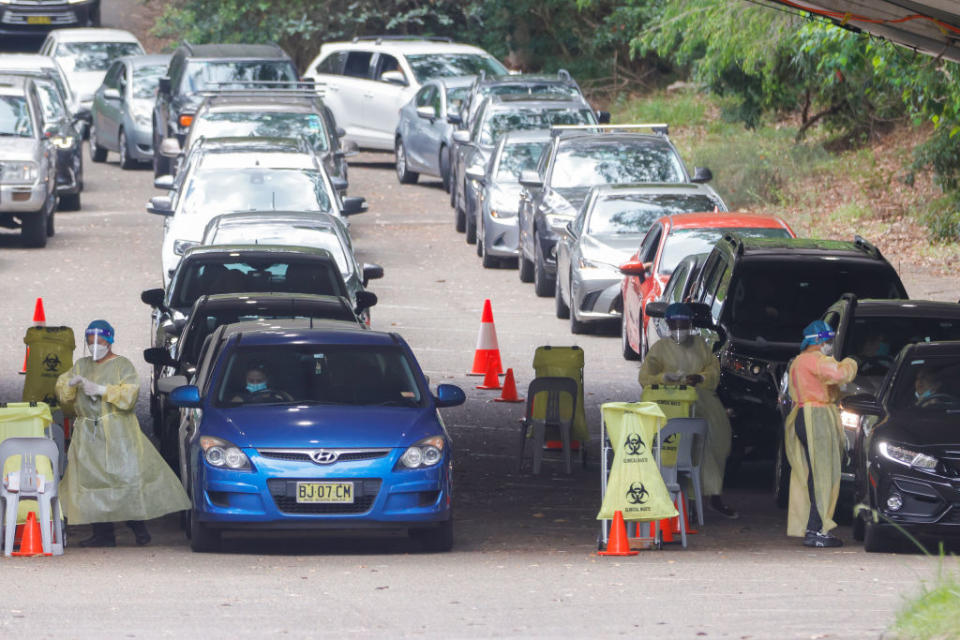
x,y
407,402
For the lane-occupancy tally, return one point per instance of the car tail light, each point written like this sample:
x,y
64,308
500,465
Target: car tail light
x,y
186,119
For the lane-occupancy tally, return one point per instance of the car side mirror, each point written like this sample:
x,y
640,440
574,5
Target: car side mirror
x,y
353,205
454,119
394,77
83,114
473,173
603,117
170,148
635,268
702,174
160,205
530,179
159,357
154,298
163,85
186,396
655,309
163,182
449,395
461,136
371,272
427,113
174,328
111,94
339,184
863,404
341,132
365,300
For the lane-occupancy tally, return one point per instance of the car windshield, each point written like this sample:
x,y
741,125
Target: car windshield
x,y
518,157
634,213
445,65
204,75
50,100
876,341
499,122
686,242
15,117
587,165
225,190
146,79
532,89
300,235
262,124
929,385
357,375
287,275
774,301
93,56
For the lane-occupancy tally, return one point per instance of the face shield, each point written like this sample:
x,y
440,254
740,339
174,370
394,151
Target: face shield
x,y
680,329
98,343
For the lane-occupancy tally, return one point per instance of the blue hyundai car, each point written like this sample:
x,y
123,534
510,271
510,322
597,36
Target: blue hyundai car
x,y
323,427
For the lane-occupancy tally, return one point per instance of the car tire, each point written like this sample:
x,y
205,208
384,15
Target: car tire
x,y
97,153
404,175
525,269
161,165
453,192
843,513
625,348
437,539
69,202
576,326
560,307
33,229
543,284
643,343
51,228
203,539
445,168
460,219
471,228
876,538
126,162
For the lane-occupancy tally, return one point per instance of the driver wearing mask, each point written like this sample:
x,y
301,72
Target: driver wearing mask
x,y
256,388
927,389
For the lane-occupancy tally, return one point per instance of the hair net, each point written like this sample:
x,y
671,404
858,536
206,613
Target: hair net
x,y
678,311
100,328
816,332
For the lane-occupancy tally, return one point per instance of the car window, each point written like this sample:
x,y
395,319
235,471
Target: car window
x,y
713,282
358,64
436,65
387,63
616,162
686,242
455,98
424,96
51,102
269,124
15,120
332,64
201,75
122,79
113,74
648,248
301,235
209,191
832,319
145,80
532,89
496,123
358,375
517,158
876,340
674,290
93,56
929,386
634,213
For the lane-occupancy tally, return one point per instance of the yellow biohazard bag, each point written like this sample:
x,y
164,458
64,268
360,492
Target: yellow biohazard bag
x,y
25,420
561,362
51,354
675,402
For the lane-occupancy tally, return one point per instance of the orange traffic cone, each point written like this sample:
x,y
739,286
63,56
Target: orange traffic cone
x,y
619,544
509,389
39,317
32,542
491,381
487,354
666,529
26,357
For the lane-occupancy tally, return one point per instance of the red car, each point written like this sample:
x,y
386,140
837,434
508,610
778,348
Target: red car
x,y
670,240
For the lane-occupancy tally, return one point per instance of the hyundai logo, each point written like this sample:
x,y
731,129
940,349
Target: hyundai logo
x,y
323,456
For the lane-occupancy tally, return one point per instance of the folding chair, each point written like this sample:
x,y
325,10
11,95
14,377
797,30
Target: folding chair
x,y
689,447
553,387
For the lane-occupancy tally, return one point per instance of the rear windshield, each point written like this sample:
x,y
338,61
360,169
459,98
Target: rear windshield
x,y
197,278
773,301
498,123
634,213
225,190
146,79
615,163
207,75
516,158
358,375
93,56
876,341
686,242
15,117
930,386
445,65
300,235
269,124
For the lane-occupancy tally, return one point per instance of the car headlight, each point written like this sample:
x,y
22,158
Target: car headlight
x,y
18,172
223,454
503,205
180,246
907,457
426,453
587,264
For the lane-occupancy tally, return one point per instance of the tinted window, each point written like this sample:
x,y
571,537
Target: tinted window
x,y
515,158
269,124
301,235
53,107
436,65
455,98
387,63
15,118
425,96
499,122
93,56
225,190
674,290
332,63
586,165
338,374
634,213
204,75
112,79
929,385
145,80
648,249
686,242
358,64
876,341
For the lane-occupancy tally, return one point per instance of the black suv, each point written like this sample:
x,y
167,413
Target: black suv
x,y
196,70
762,293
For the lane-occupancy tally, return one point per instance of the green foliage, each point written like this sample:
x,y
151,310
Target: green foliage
x,y
935,613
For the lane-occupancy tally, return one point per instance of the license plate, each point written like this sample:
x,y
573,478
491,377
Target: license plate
x,y
38,20
324,492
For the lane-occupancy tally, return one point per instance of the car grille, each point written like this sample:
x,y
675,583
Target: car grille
x,y
12,17
284,492
342,455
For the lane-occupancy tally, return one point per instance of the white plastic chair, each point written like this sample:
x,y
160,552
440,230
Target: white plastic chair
x,y
32,486
689,448
553,387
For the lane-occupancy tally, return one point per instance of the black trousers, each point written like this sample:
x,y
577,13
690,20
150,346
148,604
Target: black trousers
x,y
814,523
105,529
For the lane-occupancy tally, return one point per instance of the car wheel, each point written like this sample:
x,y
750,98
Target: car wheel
x,y
471,227
560,307
435,539
460,219
203,539
626,349
70,202
126,162
576,326
453,193
33,228
843,513
543,284
97,153
876,538
525,269
445,168
781,478
404,175
161,165
642,342
51,228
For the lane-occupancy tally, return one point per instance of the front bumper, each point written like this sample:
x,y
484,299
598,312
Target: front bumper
x,y
23,198
931,502
596,294
140,141
501,236
39,19
265,498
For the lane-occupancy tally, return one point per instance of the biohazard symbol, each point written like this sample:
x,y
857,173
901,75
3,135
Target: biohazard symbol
x,y
51,362
634,444
637,493
671,439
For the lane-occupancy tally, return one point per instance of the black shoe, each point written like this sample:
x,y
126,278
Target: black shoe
x,y
140,533
821,540
102,536
716,504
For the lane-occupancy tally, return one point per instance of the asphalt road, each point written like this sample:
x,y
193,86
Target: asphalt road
x,y
524,562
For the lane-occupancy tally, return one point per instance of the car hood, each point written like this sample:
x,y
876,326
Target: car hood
x,y
922,430
574,195
304,426
19,149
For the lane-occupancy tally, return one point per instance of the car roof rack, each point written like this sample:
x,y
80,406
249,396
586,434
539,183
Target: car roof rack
x,y
660,129
735,240
394,38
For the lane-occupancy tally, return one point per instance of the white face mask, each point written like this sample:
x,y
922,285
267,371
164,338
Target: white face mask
x,y
826,349
99,351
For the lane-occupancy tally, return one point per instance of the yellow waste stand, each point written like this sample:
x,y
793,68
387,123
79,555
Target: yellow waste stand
x,y
51,354
676,401
561,362
25,420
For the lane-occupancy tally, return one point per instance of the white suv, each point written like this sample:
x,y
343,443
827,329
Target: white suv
x,y
365,82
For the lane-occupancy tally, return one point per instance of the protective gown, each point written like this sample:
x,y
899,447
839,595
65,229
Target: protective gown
x,y
815,381
113,473
695,357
